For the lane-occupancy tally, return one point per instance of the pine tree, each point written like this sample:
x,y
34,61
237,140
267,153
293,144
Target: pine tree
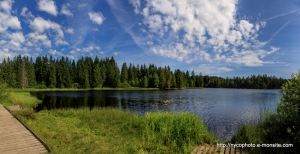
x,y
124,73
98,81
30,72
52,74
23,76
162,79
113,75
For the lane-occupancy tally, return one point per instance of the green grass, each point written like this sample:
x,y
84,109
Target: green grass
x,y
22,98
171,132
108,130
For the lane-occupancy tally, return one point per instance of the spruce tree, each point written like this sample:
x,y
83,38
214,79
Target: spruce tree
x,y
30,72
124,73
52,74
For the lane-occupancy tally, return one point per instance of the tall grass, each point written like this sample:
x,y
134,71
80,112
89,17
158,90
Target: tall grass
x,y
171,132
24,99
109,130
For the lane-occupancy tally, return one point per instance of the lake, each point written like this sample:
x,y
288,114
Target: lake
x,y
222,110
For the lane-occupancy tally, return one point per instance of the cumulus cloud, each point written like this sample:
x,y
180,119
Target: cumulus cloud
x,y
55,53
26,13
48,6
40,25
65,9
6,19
90,49
39,38
16,39
199,30
6,5
136,4
96,17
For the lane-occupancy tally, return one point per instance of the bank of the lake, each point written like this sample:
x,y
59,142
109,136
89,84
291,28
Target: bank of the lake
x,y
109,130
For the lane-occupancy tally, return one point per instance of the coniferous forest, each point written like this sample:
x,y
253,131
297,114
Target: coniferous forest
x,y
47,72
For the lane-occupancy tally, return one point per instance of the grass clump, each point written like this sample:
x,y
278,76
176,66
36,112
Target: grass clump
x,y
24,99
18,97
174,133
108,130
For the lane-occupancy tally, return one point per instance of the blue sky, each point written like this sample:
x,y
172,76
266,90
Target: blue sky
x,y
222,38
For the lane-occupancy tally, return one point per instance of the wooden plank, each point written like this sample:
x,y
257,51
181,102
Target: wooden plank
x,y
15,138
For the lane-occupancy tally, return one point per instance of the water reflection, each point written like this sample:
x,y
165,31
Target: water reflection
x,y
222,110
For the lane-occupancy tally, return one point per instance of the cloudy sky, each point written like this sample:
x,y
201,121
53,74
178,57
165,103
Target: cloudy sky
x,y
215,37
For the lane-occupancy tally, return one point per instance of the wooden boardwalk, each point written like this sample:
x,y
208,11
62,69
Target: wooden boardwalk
x,y
208,149
15,138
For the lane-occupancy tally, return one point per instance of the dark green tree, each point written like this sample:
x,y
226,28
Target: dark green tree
x,y
124,73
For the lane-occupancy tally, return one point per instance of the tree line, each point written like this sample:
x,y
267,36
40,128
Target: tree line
x,y
47,72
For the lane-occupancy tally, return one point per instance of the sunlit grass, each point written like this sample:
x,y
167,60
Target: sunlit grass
x,y
22,98
109,130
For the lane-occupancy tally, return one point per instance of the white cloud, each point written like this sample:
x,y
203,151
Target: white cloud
x,y
16,39
40,25
36,38
26,13
211,69
224,69
59,41
6,5
55,53
6,19
263,24
24,10
65,9
136,4
47,6
90,48
96,17
70,30
250,57
198,30
116,53
97,47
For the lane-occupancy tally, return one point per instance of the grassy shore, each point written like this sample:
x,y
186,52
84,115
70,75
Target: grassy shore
x,y
109,130
22,98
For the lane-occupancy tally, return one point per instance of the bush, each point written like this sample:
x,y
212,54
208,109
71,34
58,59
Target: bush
x,y
41,86
124,85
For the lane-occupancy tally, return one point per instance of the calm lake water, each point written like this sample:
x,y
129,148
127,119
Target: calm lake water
x,y
222,110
